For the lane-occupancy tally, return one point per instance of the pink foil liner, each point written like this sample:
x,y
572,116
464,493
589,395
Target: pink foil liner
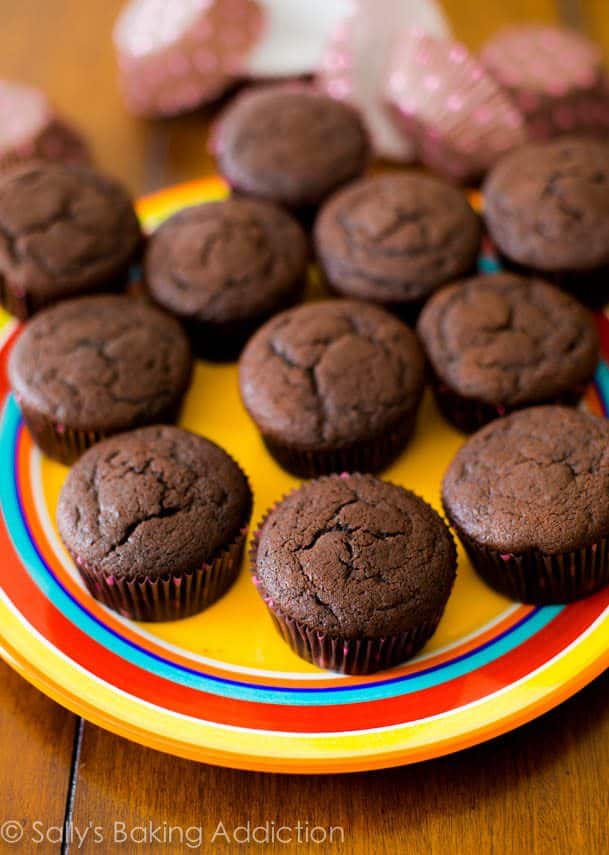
x,y
470,414
355,58
553,75
58,141
197,67
171,596
461,121
537,577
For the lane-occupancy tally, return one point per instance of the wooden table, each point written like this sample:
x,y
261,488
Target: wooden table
x,y
541,789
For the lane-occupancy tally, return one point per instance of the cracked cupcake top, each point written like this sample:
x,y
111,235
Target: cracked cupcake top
x,y
227,260
538,479
105,363
153,501
355,556
290,144
396,237
331,373
64,229
547,204
505,339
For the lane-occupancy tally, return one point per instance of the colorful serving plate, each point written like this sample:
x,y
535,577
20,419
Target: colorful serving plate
x,y
222,687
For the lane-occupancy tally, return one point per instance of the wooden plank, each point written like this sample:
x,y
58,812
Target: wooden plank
x,y
595,16
64,46
475,22
36,742
541,789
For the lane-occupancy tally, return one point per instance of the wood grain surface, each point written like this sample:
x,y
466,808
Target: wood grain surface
x,y
36,749
542,789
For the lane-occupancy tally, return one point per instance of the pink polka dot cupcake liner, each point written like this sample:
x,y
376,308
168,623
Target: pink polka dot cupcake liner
x,y
461,121
553,75
354,63
174,56
30,129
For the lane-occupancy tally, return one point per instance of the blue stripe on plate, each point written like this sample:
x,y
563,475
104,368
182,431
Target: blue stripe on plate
x,y
61,598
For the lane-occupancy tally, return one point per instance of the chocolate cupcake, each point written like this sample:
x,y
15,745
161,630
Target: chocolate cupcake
x,y
92,367
395,238
65,230
355,572
224,268
290,145
333,387
502,342
527,496
155,521
547,209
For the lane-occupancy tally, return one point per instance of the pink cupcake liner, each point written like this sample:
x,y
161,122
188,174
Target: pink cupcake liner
x,y
354,64
459,118
470,414
30,129
66,444
550,73
371,455
174,56
23,304
57,142
171,596
538,577
590,287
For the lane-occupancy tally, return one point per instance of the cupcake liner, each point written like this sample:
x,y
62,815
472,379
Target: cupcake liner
x,y
171,596
23,304
58,141
16,303
335,653
407,311
460,119
174,56
353,64
470,414
371,455
224,341
350,655
538,577
66,444
550,74
590,287
33,130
